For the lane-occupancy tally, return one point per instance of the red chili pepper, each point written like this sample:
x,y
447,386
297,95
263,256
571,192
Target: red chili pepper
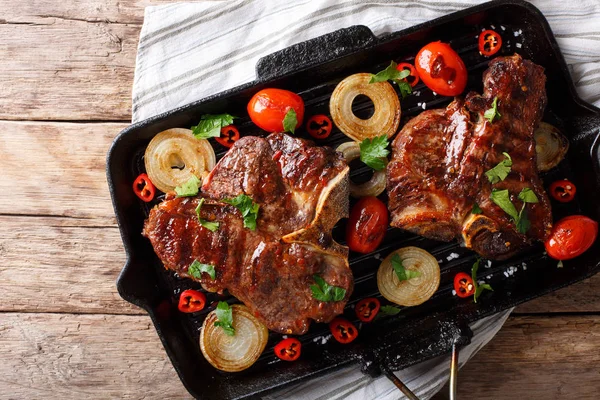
x,y
143,188
563,190
413,78
229,135
463,285
489,42
288,349
191,301
319,126
343,330
367,309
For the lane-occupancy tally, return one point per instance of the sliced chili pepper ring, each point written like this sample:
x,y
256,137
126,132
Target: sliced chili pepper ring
x,y
143,188
563,190
191,301
229,135
343,330
288,349
367,309
413,78
463,285
490,42
319,126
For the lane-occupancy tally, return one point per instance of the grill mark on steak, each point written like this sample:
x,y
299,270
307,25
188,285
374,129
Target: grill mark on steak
x,y
440,157
299,188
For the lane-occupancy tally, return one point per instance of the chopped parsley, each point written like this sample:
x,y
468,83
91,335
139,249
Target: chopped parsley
x,y
391,73
323,291
290,121
479,288
225,318
500,171
247,207
492,113
196,269
402,273
373,152
476,209
210,225
210,125
502,199
190,188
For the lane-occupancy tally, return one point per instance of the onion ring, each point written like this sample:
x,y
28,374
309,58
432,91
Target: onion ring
x,y
374,186
551,146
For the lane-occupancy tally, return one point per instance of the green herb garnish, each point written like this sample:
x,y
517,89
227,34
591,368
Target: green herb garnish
x,y
323,291
225,318
210,225
492,113
478,288
290,121
210,125
476,209
373,152
402,273
391,73
196,269
502,199
389,310
500,171
190,188
247,207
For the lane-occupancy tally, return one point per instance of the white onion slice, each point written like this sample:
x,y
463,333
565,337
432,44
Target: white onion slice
x,y
174,155
551,146
386,117
374,186
238,352
411,292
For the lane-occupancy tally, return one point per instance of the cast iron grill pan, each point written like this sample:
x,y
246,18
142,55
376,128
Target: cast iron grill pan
x,y
313,69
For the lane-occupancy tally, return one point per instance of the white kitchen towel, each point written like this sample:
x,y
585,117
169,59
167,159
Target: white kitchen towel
x,y
188,51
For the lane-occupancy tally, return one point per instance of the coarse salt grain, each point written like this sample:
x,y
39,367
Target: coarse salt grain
x,y
488,277
516,34
502,27
452,256
423,106
519,45
453,292
506,274
492,26
434,93
284,336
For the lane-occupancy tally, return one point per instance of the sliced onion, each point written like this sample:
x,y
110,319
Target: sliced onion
x,y
238,352
551,146
385,118
411,292
374,186
174,155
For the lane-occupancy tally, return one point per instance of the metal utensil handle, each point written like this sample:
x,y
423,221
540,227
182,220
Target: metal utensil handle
x,y
453,371
399,384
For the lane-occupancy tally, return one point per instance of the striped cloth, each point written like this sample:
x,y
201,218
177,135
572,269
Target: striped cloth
x,y
188,51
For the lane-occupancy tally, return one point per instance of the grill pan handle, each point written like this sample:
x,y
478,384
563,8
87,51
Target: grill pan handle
x,y
314,51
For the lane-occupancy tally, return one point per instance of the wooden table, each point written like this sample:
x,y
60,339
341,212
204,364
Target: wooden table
x,y
66,70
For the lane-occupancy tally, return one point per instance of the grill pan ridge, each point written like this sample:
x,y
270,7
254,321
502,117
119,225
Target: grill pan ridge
x,y
312,69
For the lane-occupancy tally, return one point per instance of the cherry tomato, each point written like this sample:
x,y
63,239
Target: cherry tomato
x,y
489,43
229,135
319,126
144,188
288,349
343,330
571,236
413,78
191,301
268,108
463,285
441,69
563,190
367,225
367,309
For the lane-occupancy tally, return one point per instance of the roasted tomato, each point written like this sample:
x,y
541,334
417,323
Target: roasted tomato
x,y
571,236
367,309
319,126
489,42
191,301
563,190
143,188
413,78
229,135
441,69
288,349
268,108
343,330
367,225
463,285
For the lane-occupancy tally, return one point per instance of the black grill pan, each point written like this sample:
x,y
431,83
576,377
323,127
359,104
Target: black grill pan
x,y
312,69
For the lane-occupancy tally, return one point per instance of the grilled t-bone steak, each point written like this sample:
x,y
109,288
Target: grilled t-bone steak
x,y
302,191
439,160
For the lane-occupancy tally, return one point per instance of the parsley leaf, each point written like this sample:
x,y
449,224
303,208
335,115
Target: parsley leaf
x,y
323,291
500,171
225,318
560,264
374,151
478,288
290,121
210,225
391,73
502,200
492,113
402,273
247,207
190,188
389,310
476,209
528,196
210,125
196,269
405,88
